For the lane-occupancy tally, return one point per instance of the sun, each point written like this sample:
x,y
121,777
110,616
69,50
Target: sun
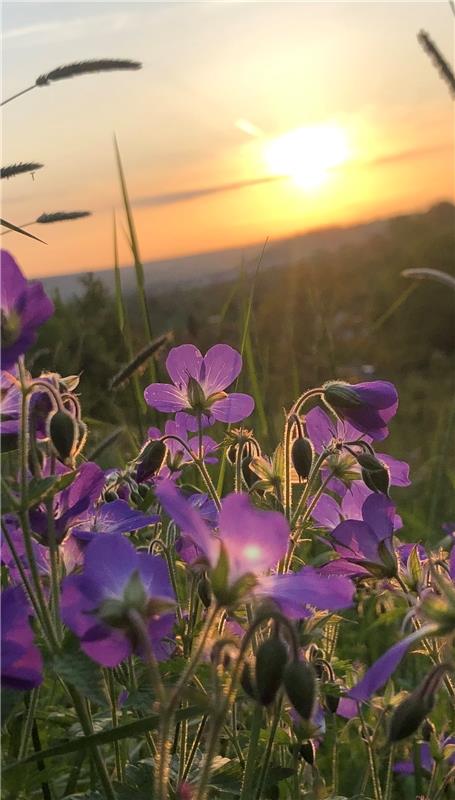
x,y
307,155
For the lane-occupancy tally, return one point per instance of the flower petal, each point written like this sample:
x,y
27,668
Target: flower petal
x,y
188,519
109,561
233,408
294,591
12,283
182,363
382,669
165,397
222,365
255,540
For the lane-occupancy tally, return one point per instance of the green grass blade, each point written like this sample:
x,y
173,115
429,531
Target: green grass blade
x,y
128,731
16,229
138,397
139,269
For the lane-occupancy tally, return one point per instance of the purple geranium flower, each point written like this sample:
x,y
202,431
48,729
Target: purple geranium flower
x,y
11,396
365,546
116,580
249,543
199,385
426,758
41,553
185,546
114,517
368,406
325,431
21,660
24,306
72,505
328,512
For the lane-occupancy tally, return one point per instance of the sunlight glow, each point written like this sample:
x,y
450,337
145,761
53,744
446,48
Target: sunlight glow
x,y
252,552
308,154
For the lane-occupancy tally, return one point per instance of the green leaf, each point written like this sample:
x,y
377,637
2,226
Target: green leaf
x,y
78,669
138,781
129,731
10,700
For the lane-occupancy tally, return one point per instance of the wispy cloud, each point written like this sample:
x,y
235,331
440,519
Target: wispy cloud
x,y
30,30
70,28
407,155
169,198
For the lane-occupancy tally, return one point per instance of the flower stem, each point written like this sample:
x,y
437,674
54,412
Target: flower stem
x,y
29,717
371,758
269,748
250,766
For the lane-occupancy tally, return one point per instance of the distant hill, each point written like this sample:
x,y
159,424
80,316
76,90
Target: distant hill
x,y
219,265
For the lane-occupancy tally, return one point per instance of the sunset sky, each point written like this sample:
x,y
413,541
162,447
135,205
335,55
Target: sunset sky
x,y
247,120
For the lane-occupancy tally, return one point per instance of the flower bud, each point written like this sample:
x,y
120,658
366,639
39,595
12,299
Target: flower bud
x,y
246,682
428,730
204,591
375,474
341,395
389,560
411,712
63,433
332,702
299,680
307,751
414,569
150,460
271,659
302,456
248,475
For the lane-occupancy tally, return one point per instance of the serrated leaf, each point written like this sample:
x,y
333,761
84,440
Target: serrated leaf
x,y
78,669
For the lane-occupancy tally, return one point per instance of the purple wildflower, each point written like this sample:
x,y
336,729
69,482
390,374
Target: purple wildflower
x,y
116,580
425,756
21,660
72,505
199,385
248,544
41,553
328,512
10,410
325,432
365,547
368,406
114,517
24,307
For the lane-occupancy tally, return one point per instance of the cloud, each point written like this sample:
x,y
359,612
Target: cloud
x,y
69,28
406,155
30,30
169,198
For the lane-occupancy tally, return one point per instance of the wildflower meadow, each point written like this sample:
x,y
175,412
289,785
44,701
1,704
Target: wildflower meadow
x,y
220,611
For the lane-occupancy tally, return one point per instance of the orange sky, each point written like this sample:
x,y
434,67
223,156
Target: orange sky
x,y
278,66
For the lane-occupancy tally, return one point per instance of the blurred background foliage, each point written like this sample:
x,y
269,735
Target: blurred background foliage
x,y
346,314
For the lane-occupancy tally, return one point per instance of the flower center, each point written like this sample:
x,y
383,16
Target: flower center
x,y
11,328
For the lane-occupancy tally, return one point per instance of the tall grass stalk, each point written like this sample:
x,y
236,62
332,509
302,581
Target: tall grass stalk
x,y
138,266
138,398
